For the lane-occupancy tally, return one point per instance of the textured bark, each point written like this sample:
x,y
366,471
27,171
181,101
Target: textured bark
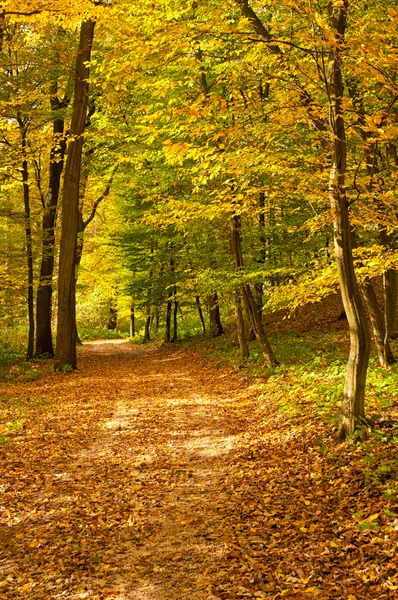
x,y
251,308
353,406
44,342
66,332
200,312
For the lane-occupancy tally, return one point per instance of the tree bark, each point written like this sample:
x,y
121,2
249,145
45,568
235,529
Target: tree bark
x,y
147,329
28,241
376,317
215,326
169,309
390,306
251,308
44,342
112,321
175,313
66,331
353,406
132,322
240,328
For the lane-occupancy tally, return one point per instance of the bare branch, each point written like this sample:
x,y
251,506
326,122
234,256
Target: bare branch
x,y
98,202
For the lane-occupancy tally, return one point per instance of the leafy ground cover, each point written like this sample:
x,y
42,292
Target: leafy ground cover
x,y
166,473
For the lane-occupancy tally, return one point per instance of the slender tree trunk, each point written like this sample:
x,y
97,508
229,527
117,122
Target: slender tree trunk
x,y
390,292
44,342
175,313
215,327
169,309
353,405
255,321
66,331
240,328
200,312
376,317
147,329
132,322
372,167
390,295
29,244
259,287
112,321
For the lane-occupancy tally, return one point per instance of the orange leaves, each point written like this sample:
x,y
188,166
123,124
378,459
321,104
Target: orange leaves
x,y
182,480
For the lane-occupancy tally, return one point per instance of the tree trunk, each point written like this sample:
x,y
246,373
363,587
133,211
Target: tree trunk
x,y
376,317
44,342
147,330
169,309
215,326
240,328
66,330
390,306
112,321
353,405
377,321
29,245
132,322
255,321
175,313
201,318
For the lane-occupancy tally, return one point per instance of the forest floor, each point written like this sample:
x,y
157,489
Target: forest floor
x,y
150,474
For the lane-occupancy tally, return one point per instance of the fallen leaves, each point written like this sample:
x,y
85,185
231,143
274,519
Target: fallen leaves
x,y
151,473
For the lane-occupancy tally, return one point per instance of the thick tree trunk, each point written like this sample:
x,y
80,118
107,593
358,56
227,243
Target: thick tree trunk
x,y
44,342
353,405
66,330
200,312
251,307
215,327
29,245
240,328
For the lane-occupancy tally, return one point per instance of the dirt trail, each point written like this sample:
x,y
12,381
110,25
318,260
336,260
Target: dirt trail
x,y
117,498
153,477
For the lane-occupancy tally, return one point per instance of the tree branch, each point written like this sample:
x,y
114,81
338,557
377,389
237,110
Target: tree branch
x,y
98,202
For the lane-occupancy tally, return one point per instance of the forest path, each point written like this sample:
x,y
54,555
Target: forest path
x,y
149,475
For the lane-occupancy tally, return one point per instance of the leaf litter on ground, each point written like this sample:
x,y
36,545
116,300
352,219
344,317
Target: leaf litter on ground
x,y
150,474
